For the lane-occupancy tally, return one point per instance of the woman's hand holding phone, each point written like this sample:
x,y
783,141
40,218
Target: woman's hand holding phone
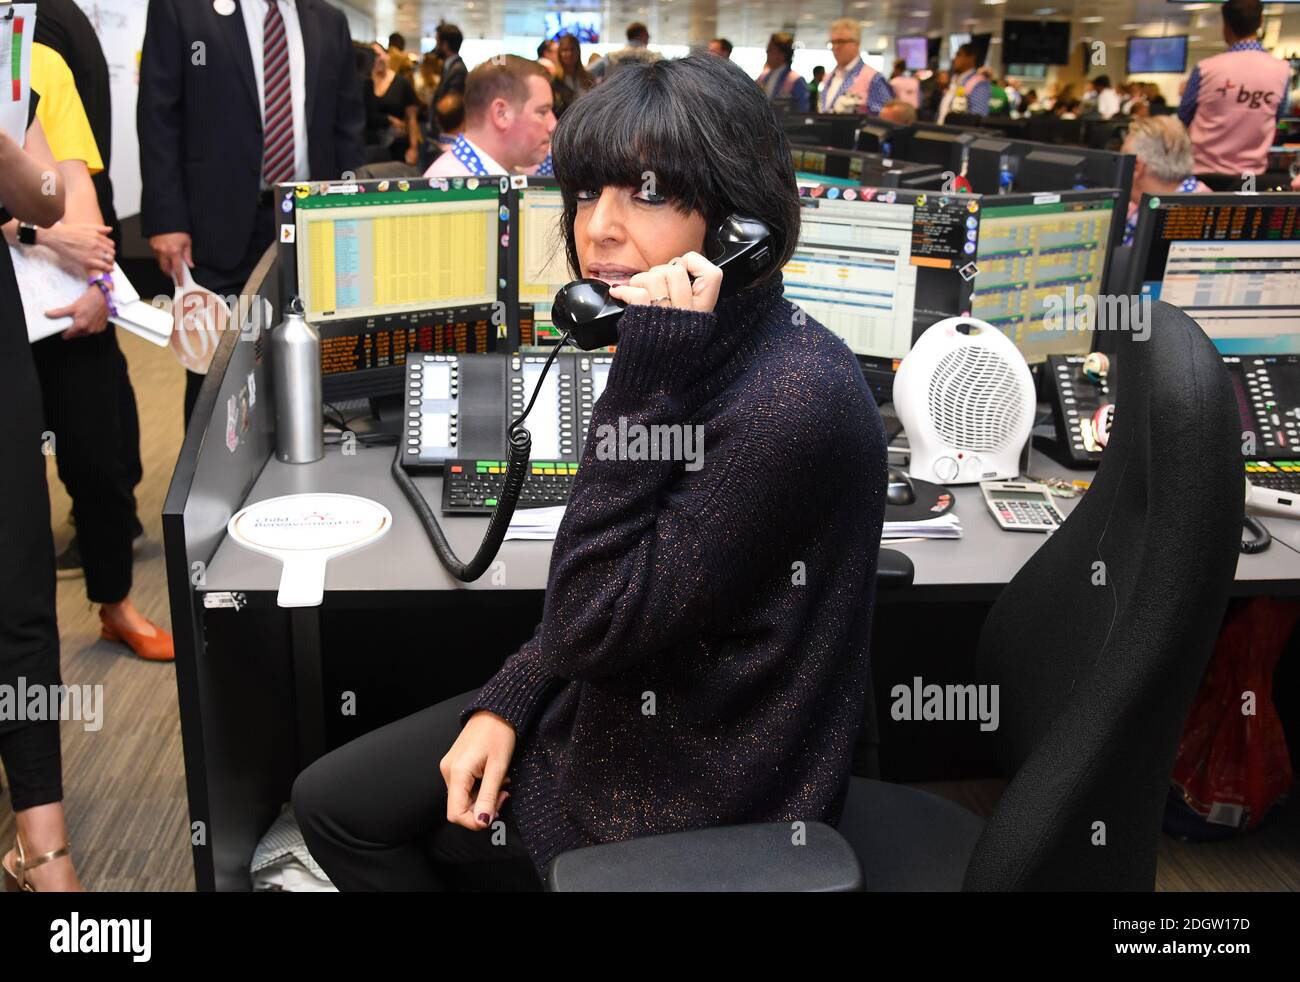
x,y
689,282
481,755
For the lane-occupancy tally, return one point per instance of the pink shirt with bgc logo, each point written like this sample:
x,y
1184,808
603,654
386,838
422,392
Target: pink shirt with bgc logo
x,y
1231,107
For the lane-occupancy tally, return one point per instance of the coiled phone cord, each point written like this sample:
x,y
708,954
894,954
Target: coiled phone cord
x,y
520,448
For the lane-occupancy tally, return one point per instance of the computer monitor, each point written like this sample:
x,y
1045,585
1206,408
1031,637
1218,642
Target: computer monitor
x,y
998,166
880,136
1043,262
539,257
838,130
391,266
877,267
1230,261
858,167
936,145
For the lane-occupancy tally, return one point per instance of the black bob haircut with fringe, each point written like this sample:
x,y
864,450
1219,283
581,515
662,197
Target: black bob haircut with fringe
x,y
701,126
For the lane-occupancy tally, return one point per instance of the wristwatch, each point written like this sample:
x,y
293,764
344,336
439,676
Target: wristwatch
x,y
26,233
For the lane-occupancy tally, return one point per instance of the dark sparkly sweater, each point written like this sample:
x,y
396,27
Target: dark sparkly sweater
x,y
702,656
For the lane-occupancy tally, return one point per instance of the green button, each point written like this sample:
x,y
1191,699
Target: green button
x,y
490,502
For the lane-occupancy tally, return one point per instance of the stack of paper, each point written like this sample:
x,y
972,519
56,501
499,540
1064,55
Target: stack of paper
x,y
46,284
944,527
535,523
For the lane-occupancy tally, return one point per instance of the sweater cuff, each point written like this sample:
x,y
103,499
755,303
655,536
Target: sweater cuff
x,y
658,348
515,692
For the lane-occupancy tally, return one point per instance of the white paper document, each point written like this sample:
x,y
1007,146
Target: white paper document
x,y
46,284
944,527
535,523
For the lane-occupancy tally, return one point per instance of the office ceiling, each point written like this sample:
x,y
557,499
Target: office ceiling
x,y
745,22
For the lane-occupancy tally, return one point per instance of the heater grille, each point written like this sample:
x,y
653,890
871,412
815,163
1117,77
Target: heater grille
x,y
974,400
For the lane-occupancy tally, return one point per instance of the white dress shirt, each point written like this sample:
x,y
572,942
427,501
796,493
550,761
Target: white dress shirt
x,y
1108,103
254,12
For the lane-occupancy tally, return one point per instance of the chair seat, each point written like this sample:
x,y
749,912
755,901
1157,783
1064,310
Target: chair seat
x,y
908,840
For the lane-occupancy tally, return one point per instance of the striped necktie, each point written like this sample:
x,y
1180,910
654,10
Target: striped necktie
x,y
277,100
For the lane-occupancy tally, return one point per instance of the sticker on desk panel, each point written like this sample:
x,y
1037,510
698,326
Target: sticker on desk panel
x,y
225,600
1047,199
232,424
288,232
518,181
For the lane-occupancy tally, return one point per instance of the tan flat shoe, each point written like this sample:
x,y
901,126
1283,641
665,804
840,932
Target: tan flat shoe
x,y
16,879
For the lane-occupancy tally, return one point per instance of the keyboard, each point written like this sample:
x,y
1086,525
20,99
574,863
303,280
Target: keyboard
x,y
471,487
1277,475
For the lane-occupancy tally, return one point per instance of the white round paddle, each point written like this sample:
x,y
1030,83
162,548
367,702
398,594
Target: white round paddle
x,y
304,532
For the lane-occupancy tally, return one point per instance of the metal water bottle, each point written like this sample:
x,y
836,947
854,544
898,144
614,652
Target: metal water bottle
x,y
295,373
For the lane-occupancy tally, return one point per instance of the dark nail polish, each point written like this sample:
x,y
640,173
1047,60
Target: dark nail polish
x,y
485,818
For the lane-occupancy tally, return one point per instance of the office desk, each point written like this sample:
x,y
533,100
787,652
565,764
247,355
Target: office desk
x,y
259,686
971,568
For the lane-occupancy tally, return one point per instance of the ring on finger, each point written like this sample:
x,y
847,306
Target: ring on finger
x,y
659,299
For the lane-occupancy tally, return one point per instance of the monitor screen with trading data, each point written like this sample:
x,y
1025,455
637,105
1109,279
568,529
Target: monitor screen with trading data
x,y
387,267
1230,261
543,266
1042,264
878,266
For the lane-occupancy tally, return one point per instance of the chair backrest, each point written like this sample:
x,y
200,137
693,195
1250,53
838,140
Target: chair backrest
x,y
1100,641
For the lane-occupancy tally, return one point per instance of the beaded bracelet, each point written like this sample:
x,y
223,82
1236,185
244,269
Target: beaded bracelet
x,y
105,283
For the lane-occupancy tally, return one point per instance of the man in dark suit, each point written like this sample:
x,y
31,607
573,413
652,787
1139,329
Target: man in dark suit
x,y
237,96
454,72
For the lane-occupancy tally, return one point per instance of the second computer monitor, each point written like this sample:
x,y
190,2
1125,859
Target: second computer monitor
x,y
1042,265
539,257
1230,261
877,267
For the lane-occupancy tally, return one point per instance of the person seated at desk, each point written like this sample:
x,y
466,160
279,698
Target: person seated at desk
x,y
702,655
1164,163
508,120
898,111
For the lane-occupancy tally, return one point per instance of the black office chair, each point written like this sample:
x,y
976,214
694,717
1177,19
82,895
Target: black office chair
x,y
1097,666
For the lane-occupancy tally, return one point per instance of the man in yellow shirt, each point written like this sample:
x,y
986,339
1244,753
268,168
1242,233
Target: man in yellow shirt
x,y
80,381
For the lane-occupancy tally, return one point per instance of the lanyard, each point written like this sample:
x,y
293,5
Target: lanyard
x,y
468,156
845,85
773,86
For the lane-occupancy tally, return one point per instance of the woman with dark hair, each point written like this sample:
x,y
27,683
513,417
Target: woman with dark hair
x,y
702,655
572,79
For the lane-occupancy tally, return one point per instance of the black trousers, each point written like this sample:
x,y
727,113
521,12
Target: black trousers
x,y
90,410
374,814
226,281
29,631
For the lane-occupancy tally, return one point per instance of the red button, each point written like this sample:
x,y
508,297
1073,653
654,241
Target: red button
x,y
456,468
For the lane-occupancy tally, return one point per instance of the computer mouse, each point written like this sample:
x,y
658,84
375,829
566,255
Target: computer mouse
x,y
900,490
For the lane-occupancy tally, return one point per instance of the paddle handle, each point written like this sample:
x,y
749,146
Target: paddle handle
x,y
302,581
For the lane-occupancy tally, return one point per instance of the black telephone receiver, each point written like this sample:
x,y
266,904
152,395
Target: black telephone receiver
x,y
741,247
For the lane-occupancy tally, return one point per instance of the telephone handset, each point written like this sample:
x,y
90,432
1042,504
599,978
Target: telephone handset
x,y
741,247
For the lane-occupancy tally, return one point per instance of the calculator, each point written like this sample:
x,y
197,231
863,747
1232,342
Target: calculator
x,y
1022,507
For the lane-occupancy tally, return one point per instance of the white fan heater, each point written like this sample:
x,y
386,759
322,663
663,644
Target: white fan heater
x,y
966,399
